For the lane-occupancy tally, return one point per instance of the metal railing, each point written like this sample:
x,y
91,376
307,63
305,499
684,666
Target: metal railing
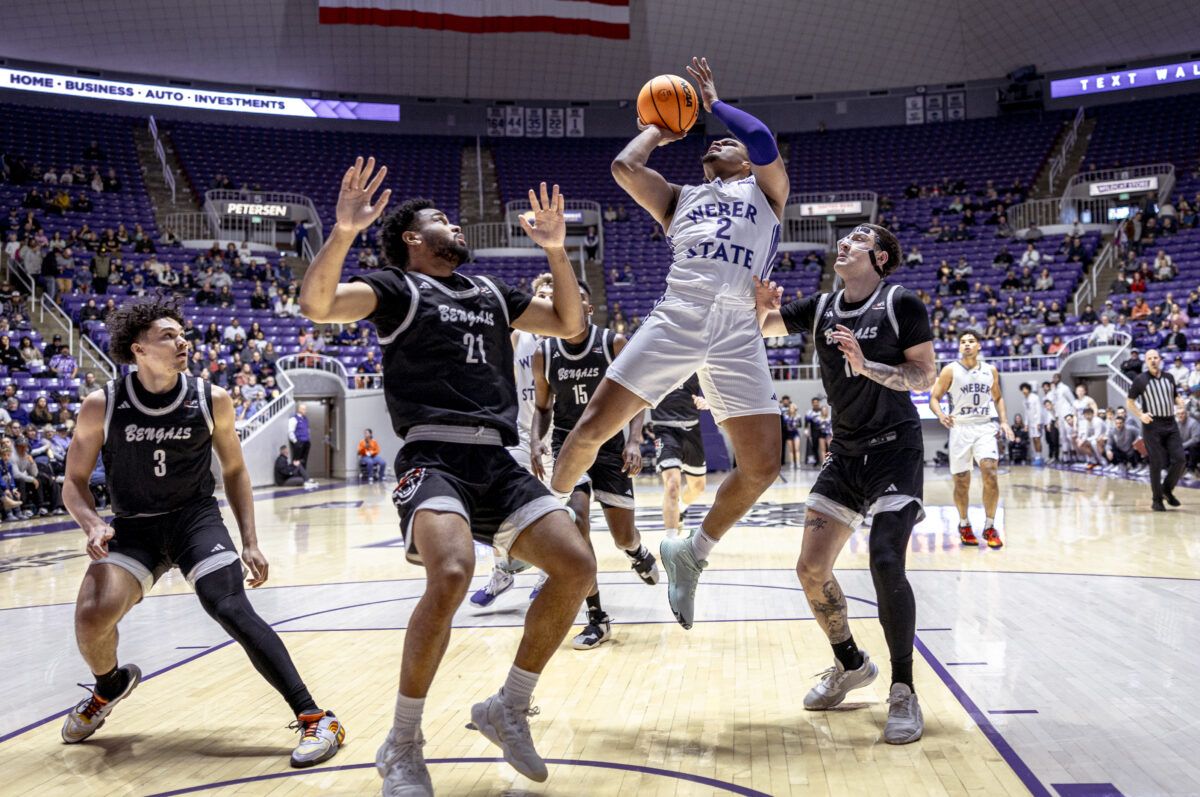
x,y
47,306
330,365
1048,212
1116,378
1089,286
191,226
17,271
818,229
809,230
88,350
1059,163
487,235
1079,183
248,428
168,175
316,230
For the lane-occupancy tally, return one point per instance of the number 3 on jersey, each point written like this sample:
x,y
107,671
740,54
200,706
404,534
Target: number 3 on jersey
x,y
475,352
160,462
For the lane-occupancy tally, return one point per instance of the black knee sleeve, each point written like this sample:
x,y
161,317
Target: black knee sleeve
x,y
223,595
890,532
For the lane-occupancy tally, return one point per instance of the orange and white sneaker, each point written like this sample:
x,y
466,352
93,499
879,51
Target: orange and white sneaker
x,y
992,537
967,535
87,717
321,735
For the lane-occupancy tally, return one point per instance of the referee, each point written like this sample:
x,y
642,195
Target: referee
x,y
1152,399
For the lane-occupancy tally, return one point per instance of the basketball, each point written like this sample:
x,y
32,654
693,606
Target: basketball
x,y
668,101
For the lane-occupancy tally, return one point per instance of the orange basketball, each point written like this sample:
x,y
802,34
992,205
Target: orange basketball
x,y
668,101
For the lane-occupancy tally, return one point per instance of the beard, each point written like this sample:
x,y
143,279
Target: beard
x,y
453,252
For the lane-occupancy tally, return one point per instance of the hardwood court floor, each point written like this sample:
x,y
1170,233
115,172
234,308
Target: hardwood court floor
x,y
1062,664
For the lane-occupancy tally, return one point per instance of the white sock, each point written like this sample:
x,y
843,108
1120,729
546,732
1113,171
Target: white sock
x,y
963,523
989,523
564,497
518,688
671,531
408,716
702,544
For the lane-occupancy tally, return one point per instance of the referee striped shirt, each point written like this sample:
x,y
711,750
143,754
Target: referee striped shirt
x,y
1155,394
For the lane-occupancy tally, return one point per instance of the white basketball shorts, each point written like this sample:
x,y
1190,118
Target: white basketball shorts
x,y
715,337
972,443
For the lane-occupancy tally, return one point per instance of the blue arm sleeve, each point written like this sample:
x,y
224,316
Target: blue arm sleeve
x,y
760,143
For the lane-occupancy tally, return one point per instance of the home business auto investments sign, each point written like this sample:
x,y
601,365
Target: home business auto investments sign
x,y
203,99
1125,79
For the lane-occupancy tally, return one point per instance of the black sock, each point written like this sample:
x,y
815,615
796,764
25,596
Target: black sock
x,y
902,673
112,683
593,604
641,551
848,654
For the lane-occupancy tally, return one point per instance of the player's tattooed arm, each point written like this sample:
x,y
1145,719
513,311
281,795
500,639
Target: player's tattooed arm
x,y
917,372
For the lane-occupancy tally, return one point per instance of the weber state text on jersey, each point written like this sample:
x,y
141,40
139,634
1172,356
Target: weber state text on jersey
x,y
157,447
447,351
971,393
526,344
574,371
866,415
722,235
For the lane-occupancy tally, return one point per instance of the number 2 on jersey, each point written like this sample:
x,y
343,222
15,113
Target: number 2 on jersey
x,y
474,344
160,462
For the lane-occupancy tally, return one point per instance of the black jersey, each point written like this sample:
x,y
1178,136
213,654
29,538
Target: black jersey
x,y
157,449
866,415
447,350
574,371
678,408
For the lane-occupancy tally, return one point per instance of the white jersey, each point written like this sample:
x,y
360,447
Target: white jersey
x,y
524,347
971,393
1033,412
722,235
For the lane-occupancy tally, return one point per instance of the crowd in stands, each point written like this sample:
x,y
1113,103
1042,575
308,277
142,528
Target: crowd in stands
x,y
75,218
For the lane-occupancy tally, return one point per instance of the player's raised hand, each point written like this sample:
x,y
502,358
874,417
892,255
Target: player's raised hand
x,y
703,75
97,540
844,338
357,205
544,222
257,564
768,295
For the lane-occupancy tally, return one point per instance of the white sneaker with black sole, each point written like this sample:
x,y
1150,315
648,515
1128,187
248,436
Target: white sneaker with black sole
x,y
597,631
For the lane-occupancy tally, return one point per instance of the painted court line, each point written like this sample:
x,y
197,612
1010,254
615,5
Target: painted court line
x,y
1013,711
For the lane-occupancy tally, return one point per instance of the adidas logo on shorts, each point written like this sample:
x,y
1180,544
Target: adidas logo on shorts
x,y
217,547
891,489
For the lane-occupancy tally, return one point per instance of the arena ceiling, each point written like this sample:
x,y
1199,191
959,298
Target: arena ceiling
x,y
758,47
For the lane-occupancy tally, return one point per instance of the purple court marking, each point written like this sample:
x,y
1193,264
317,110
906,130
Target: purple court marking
x,y
731,788
522,624
964,663
192,647
927,630
1087,790
1014,711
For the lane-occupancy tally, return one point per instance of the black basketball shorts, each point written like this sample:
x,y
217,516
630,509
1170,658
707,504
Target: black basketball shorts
x,y
606,479
680,448
882,481
193,538
483,483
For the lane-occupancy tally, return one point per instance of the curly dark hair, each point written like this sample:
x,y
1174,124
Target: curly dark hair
x,y
127,323
395,224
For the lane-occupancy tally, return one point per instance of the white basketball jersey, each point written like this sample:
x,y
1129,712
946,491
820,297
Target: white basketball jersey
x,y
721,236
1033,411
971,393
526,345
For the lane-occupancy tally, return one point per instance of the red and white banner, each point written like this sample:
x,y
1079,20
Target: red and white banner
x,y
607,19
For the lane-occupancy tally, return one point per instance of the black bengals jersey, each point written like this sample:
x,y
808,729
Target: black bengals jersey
x,y
447,351
157,448
678,407
866,415
574,371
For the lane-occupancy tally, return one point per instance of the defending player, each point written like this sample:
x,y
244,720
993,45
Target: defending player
x,y
723,234
157,429
680,450
874,345
450,391
975,401
566,373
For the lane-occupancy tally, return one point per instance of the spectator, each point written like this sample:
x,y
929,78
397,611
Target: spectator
x,y
1140,310
1045,282
1132,365
1179,372
1056,346
1031,257
1034,233
10,355
1120,451
1018,449
591,243
11,498
610,213
1189,430
1103,334
914,257
1193,380
1054,315
786,263
1003,258
1088,316
369,461
63,365
88,386
1010,283
111,182
234,332
1176,340
31,357
290,473
93,151
298,434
